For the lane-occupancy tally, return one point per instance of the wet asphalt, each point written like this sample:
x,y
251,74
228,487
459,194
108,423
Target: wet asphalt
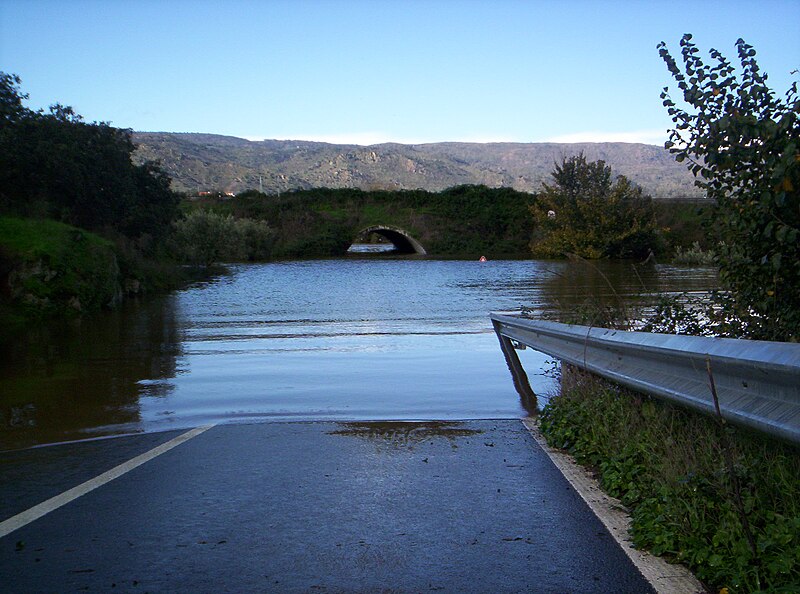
x,y
309,507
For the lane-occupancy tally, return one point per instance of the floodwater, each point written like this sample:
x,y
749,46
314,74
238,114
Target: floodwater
x,y
351,339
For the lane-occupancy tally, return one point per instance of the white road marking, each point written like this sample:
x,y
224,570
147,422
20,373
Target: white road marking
x,y
664,577
37,511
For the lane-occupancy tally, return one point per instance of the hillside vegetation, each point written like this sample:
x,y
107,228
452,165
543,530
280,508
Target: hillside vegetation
x,y
81,224
461,221
208,162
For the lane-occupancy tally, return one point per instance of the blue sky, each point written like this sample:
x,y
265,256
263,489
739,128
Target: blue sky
x,y
375,71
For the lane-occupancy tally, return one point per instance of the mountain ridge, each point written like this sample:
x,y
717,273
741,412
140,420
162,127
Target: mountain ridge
x,y
199,162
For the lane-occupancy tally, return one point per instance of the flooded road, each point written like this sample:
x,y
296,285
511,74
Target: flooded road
x,y
350,339
471,506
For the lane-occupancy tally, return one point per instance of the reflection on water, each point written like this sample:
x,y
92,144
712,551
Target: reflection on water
x,y
372,248
60,380
349,339
580,286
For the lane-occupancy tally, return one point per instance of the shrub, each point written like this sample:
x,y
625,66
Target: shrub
x,y
742,142
694,256
204,237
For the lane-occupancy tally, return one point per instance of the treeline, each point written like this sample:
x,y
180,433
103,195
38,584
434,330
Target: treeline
x,y
54,165
82,223
587,211
459,221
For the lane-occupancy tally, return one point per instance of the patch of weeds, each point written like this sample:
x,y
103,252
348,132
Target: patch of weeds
x,y
694,256
724,502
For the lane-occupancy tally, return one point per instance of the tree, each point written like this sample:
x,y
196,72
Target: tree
x,y
55,165
11,98
742,142
588,213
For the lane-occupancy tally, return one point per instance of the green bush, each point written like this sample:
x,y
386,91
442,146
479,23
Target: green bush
x,y
204,237
693,256
723,501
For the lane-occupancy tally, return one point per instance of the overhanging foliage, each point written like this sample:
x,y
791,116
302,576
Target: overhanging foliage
x,y
742,142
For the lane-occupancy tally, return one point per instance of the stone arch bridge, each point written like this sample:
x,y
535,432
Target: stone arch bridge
x,y
402,240
466,221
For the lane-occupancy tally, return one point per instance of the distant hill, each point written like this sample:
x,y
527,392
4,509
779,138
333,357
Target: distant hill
x,y
206,162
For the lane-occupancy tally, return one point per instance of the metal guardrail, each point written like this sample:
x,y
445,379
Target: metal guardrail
x,y
757,382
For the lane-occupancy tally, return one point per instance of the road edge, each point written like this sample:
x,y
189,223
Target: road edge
x,y
666,578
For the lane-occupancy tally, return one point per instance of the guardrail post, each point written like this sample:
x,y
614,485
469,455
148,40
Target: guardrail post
x,y
521,383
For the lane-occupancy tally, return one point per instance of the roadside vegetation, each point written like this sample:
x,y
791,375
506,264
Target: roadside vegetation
x,y
742,142
722,500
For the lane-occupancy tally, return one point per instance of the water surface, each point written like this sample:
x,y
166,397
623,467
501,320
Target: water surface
x,y
359,338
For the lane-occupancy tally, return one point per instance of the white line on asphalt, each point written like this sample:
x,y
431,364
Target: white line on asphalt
x,y
664,577
37,511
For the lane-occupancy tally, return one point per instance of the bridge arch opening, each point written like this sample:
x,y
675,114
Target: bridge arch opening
x,y
401,240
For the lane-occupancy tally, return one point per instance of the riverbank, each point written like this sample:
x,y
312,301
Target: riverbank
x,y
52,270
723,501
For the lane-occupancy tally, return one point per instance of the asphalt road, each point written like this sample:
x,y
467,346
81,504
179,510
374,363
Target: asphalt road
x,y
309,507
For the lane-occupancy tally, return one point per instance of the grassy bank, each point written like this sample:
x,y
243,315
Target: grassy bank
x,y
724,502
53,268
50,269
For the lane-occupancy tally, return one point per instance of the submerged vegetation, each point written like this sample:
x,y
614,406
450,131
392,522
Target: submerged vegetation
x,y
693,256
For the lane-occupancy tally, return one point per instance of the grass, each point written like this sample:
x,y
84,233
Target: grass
x,y
725,502
37,238
50,267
